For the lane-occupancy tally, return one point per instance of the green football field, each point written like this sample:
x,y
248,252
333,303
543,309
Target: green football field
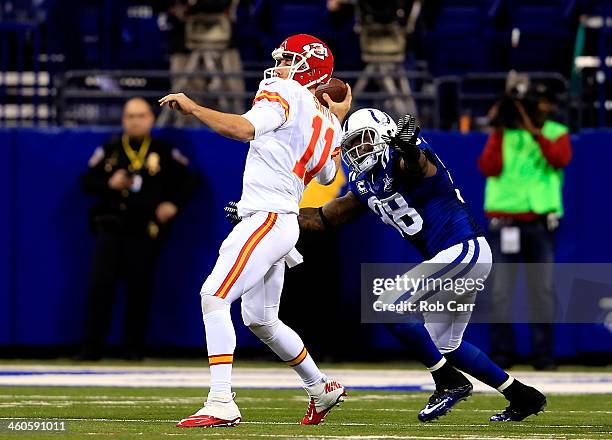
x,y
150,413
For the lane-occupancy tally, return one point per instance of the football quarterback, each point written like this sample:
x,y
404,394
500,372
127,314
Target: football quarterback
x,y
292,140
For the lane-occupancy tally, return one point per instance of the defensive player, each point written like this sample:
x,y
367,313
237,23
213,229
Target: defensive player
x,y
397,175
292,140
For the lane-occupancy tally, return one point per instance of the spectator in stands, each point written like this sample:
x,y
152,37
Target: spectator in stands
x,y
140,184
523,160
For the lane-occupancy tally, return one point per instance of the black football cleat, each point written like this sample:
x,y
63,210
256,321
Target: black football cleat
x,y
532,404
442,401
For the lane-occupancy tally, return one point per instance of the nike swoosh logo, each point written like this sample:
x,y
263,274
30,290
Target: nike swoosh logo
x,y
433,408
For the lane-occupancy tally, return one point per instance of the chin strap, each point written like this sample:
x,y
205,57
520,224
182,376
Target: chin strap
x,y
317,81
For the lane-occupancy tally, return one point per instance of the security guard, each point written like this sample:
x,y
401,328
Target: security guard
x,y
141,183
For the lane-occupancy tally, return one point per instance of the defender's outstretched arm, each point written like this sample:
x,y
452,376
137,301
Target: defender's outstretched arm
x,y
331,215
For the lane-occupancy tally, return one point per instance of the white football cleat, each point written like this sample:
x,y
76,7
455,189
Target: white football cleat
x,y
219,410
323,397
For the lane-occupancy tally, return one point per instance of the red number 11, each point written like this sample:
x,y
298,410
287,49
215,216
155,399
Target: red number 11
x,y
300,166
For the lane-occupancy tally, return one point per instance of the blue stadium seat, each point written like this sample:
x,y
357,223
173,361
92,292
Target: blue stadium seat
x,y
309,18
459,20
600,7
463,38
142,44
546,35
543,51
468,3
90,36
539,18
458,55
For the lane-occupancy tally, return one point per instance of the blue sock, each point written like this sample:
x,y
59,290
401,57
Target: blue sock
x,y
475,362
415,336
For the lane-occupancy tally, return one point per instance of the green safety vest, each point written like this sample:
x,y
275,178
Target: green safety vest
x,y
527,183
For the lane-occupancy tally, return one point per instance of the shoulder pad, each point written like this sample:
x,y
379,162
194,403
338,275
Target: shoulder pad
x,y
276,90
271,84
354,176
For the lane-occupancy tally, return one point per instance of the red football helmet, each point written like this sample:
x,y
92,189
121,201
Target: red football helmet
x,y
311,60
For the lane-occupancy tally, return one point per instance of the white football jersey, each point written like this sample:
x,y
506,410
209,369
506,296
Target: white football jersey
x,y
282,161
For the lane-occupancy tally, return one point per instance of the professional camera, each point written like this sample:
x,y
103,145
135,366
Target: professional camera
x,y
373,11
508,115
207,25
382,31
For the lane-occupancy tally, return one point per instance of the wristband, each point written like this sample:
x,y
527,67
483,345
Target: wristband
x,y
410,152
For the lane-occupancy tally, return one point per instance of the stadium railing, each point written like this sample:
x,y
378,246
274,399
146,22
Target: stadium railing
x,y
477,92
96,97
89,96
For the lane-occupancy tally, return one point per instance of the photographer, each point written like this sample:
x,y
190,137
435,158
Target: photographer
x,y
523,160
140,184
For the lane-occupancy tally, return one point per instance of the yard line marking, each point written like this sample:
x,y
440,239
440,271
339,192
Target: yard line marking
x,y
445,425
276,378
66,400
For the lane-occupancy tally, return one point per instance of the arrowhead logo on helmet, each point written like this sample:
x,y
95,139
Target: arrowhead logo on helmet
x,y
307,60
316,50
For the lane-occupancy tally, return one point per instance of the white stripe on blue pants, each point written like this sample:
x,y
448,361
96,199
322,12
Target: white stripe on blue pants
x,y
468,260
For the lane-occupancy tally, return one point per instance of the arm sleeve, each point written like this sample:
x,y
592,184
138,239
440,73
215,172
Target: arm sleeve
x,y
558,153
327,173
265,118
490,162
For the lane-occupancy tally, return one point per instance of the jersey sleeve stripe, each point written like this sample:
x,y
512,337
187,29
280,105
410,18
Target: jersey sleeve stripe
x,y
245,253
273,97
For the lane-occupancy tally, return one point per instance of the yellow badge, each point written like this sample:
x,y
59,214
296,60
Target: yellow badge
x,y
153,230
152,164
110,163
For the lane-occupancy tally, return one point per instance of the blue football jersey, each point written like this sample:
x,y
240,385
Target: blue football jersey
x,y
431,214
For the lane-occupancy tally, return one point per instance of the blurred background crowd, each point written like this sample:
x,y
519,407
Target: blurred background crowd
x,y
510,92
445,59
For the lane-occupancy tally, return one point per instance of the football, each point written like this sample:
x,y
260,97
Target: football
x,y
335,88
